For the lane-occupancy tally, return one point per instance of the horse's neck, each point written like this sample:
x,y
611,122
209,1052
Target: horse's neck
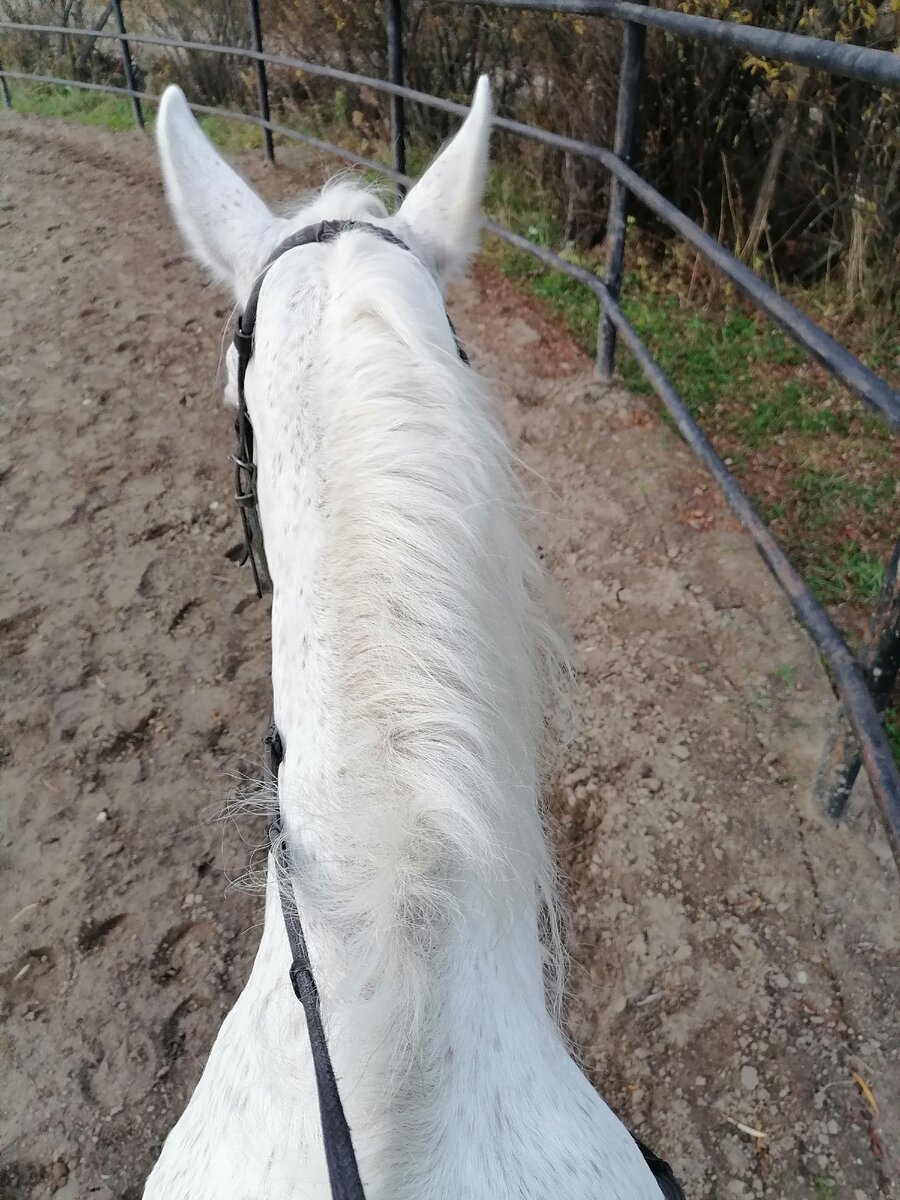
x,y
405,692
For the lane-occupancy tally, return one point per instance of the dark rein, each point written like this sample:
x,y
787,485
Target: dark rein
x,y
343,1170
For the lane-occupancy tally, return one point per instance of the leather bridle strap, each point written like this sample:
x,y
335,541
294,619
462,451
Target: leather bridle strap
x,y
243,457
340,1157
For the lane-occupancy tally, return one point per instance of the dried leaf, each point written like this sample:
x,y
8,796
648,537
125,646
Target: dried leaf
x,y
867,1093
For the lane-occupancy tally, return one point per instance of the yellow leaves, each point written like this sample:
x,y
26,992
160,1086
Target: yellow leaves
x,y
762,66
578,25
333,11
868,13
357,119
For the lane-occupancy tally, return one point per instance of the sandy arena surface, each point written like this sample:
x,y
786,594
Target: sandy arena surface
x,y
736,960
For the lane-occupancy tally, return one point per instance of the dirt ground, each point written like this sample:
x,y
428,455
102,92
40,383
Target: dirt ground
x,y
736,961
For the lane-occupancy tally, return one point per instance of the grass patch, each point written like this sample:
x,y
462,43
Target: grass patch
x,y
233,136
891,720
820,468
74,104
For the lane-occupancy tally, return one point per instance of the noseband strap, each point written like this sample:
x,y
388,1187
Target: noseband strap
x,y
243,458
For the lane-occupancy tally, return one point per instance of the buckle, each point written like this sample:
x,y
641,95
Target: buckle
x,y
243,342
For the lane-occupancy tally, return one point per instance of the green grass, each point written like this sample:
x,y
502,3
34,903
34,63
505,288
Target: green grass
x,y
891,720
785,672
824,1187
75,104
854,572
95,108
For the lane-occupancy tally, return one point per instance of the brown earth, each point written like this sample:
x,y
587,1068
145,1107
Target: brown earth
x,y
735,957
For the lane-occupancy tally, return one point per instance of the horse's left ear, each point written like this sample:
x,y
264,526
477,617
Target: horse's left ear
x,y
225,224
443,210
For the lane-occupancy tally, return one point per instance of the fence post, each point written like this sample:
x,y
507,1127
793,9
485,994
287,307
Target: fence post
x,y
127,64
4,88
393,20
881,663
617,220
262,86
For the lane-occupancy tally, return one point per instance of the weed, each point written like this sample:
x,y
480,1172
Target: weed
x,y
785,673
891,720
853,572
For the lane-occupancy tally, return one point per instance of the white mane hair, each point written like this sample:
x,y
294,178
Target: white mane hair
x,y
446,663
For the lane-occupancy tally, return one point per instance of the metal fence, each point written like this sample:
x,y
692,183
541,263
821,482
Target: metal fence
x,y
864,684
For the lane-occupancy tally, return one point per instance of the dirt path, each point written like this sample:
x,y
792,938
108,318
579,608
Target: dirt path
x,y
736,959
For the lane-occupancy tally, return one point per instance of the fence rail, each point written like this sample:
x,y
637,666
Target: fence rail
x,y
862,687
877,67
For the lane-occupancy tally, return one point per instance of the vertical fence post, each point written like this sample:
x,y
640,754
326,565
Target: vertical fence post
x,y
393,20
881,662
4,88
617,220
127,64
262,86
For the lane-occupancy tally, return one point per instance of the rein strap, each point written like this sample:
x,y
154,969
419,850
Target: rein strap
x,y
340,1157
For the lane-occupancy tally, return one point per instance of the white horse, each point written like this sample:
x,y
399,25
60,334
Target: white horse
x,y
413,667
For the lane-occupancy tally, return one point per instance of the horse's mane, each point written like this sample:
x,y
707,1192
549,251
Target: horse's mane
x,y
448,672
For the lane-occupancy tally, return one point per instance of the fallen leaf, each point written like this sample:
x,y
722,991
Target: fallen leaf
x,y
867,1093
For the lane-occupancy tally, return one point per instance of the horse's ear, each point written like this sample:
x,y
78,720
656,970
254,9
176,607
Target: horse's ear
x,y
443,210
225,224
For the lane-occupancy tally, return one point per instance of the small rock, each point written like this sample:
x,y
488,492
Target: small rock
x,y
57,1175
102,816
681,752
749,1078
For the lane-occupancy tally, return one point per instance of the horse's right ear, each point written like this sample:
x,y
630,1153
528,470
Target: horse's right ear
x,y
225,224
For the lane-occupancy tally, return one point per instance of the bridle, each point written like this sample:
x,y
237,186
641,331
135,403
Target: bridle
x,y
244,465
340,1156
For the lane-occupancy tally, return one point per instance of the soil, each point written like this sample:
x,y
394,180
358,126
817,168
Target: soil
x,y
735,956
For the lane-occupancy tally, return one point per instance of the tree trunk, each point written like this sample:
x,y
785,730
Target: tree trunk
x,y
87,48
766,195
